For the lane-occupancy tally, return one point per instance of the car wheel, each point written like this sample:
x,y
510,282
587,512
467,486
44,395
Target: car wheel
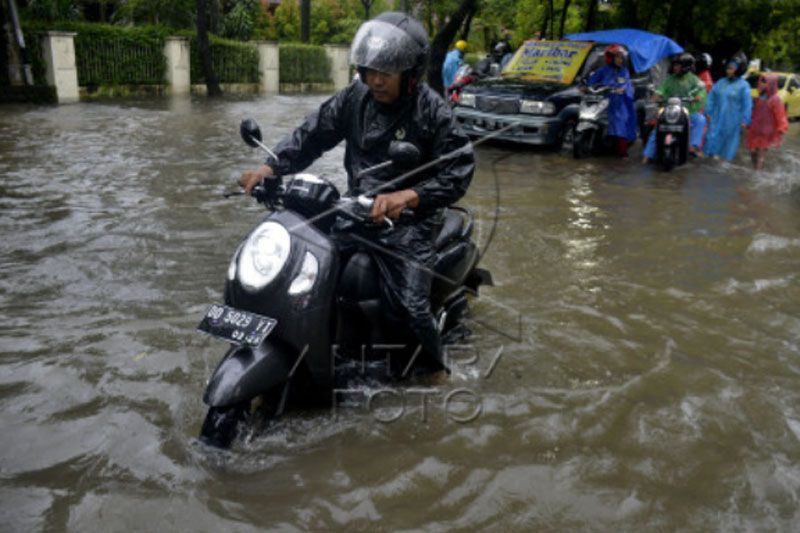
x,y
568,135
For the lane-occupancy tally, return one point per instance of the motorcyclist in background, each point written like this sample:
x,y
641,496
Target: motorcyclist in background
x,y
390,53
621,113
452,61
703,64
682,83
492,64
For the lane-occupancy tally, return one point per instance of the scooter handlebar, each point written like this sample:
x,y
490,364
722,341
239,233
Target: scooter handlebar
x,y
358,210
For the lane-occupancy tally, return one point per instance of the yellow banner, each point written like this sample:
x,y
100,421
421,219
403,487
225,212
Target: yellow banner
x,y
553,61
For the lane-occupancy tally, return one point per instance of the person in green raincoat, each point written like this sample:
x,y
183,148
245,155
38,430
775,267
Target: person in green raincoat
x,y
682,83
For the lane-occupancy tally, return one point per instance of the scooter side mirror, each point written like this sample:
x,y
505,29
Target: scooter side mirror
x,y
404,154
250,132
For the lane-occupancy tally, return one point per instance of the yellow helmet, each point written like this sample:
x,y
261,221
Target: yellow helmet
x,y
461,45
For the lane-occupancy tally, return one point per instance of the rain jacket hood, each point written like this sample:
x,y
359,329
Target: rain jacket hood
x,y
772,85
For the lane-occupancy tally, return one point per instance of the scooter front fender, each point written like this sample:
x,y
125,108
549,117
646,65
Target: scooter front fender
x,y
245,372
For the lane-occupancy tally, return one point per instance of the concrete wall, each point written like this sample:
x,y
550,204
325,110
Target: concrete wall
x,y
58,48
269,66
340,64
176,50
62,74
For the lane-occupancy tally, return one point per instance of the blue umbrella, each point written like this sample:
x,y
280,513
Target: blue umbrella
x,y
645,48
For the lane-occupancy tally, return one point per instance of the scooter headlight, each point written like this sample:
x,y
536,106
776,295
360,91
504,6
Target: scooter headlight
x,y
672,114
263,256
307,276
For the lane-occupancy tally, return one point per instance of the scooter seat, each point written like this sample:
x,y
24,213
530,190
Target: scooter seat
x,y
454,227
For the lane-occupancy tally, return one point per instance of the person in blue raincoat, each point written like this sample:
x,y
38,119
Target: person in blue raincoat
x,y
621,113
452,62
729,108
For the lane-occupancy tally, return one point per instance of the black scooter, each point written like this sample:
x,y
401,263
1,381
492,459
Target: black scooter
x,y
672,133
294,307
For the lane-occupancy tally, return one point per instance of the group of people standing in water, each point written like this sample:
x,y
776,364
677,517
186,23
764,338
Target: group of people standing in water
x,y
718,112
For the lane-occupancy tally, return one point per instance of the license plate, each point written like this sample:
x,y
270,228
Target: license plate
x,y
236,326
668,127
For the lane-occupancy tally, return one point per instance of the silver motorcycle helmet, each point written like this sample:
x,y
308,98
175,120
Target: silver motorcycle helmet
x,y
392,43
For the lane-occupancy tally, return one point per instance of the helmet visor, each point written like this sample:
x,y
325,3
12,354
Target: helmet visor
x,y
384,47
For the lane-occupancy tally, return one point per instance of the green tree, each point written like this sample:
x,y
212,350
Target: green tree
x,y
177,14
239,23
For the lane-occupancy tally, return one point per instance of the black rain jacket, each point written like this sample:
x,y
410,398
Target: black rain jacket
x,y
368,127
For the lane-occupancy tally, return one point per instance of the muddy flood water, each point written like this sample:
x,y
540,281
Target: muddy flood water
x,y
636,366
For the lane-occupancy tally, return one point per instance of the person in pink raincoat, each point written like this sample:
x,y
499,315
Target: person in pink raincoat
x,y
769,121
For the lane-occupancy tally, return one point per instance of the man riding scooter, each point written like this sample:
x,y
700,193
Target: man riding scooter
x,y
390,53
682,83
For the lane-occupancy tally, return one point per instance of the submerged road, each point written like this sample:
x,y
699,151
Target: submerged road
x,y
637,364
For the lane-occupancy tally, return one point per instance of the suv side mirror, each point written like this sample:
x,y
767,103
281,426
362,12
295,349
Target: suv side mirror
x,y
250,132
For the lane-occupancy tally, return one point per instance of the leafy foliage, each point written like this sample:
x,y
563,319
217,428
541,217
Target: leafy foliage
x,y
53,9
233,61
176,14
332,21
304,63
239,23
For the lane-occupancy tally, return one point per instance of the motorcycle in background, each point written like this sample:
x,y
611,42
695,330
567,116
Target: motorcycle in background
x,y
672,133
592,127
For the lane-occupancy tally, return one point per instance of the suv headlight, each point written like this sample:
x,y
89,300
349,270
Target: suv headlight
x,y
534,107
467,100
263,256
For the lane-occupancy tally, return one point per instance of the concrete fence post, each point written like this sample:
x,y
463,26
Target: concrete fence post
x,y
59,55
340,64
176,50
269,66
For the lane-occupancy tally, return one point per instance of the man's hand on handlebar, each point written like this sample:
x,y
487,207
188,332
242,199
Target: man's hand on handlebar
x,y
390,205
251,178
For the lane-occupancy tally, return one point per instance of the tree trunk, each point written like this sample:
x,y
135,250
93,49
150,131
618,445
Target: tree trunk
x,y
672,18
15,54
545,20
441,42
591,16
467,26
630,14
563,18
305,20
367,6
552,10
212,83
